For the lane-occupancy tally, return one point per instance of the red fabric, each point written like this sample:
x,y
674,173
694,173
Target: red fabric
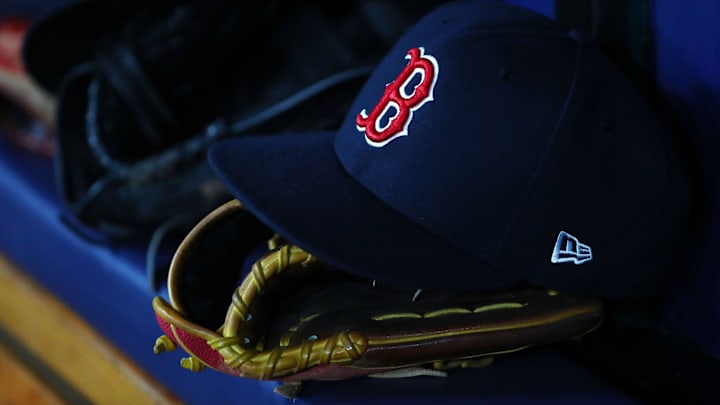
x,y
12,33
196,347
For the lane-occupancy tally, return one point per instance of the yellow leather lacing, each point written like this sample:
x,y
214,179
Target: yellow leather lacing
x,y
340,348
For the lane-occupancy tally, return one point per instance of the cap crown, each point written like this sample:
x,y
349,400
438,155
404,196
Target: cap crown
x,y
500,132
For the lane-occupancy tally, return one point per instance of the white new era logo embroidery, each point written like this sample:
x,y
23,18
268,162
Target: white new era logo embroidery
x,y
569,249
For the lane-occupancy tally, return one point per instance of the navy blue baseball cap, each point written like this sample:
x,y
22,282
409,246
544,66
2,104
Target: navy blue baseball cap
x,y
491,148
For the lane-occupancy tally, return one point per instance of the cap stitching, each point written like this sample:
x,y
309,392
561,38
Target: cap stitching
x,y
558,124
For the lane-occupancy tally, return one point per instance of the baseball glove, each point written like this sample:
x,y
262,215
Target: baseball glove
x,y
293,318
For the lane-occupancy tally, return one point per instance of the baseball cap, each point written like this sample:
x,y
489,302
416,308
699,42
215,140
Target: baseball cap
x,y
490,148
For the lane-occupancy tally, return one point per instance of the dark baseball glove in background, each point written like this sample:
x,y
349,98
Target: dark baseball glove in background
x,y
144,88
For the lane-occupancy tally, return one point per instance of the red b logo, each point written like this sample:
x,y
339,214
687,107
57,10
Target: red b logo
x,y
397,105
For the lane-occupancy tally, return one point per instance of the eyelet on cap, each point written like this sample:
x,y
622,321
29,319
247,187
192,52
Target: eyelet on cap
x,y
506,75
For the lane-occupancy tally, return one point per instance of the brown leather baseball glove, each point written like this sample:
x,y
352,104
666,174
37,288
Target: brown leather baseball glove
x,y
292,318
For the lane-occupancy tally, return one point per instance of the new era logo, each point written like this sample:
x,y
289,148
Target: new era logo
x,y
569,249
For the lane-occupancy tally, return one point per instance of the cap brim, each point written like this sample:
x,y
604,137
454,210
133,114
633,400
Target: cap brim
x,y
295,184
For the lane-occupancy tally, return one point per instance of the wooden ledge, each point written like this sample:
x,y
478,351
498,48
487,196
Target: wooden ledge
x,y
69,347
